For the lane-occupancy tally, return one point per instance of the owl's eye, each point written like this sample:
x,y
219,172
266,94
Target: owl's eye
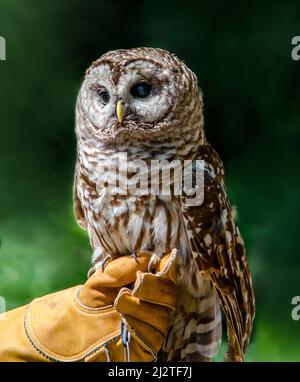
x,y
141,90
103,95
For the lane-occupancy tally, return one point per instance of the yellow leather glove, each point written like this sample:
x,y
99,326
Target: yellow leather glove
x,y
103,320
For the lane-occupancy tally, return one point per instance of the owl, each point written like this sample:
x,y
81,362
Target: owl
x,y
146,102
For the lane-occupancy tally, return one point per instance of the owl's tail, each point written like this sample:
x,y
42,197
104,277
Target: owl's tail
x,y
196,330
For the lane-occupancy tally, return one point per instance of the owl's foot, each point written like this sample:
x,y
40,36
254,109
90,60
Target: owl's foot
x,y
98,255
101,264
134,256
99,259
155,259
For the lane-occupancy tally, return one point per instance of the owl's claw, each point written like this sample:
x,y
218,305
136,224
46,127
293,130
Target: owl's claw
x,y
153,260
101,263
134,255
98,264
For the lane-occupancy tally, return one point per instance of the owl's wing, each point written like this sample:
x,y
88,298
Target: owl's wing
x,y
78,211
220,253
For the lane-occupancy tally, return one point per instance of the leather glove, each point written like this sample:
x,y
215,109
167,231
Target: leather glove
x,y
103,320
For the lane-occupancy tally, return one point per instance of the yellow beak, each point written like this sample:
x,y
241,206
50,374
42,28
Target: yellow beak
x,y
120,111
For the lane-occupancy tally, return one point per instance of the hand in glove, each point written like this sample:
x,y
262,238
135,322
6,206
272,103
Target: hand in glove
x,y
103,320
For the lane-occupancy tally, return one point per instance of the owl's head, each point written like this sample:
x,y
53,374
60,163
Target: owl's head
x,y
138,94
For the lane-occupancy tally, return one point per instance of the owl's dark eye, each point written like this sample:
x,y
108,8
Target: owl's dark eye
x,y
141,90
103,95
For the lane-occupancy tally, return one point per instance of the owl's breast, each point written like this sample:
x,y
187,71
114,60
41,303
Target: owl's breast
x,y
128,224
122,221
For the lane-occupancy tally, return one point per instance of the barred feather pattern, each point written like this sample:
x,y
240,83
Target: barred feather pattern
x,y
196,329
220,254
212,268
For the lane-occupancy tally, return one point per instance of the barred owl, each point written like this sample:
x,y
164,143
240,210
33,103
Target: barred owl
x,y
147,103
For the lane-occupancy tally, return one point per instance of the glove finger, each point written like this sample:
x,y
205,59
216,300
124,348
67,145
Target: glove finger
x,y
159,288
151,314
155,289
167,266
103,286
145,334
121,271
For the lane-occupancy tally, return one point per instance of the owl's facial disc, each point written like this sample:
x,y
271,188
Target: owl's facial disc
x,y
137,100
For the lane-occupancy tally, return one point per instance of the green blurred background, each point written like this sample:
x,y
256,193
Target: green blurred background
x,y
242,56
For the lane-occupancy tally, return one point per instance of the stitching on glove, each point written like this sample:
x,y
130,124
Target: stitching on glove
x,y
138,286
87,309
144,343
50,355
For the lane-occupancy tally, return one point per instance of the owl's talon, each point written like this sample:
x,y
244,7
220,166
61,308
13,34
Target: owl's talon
x,y
135,256
99,260
101,264
91,272
97,255
153,260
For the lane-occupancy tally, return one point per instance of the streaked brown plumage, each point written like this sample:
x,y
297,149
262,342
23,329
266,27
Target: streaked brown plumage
x,y
167,124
